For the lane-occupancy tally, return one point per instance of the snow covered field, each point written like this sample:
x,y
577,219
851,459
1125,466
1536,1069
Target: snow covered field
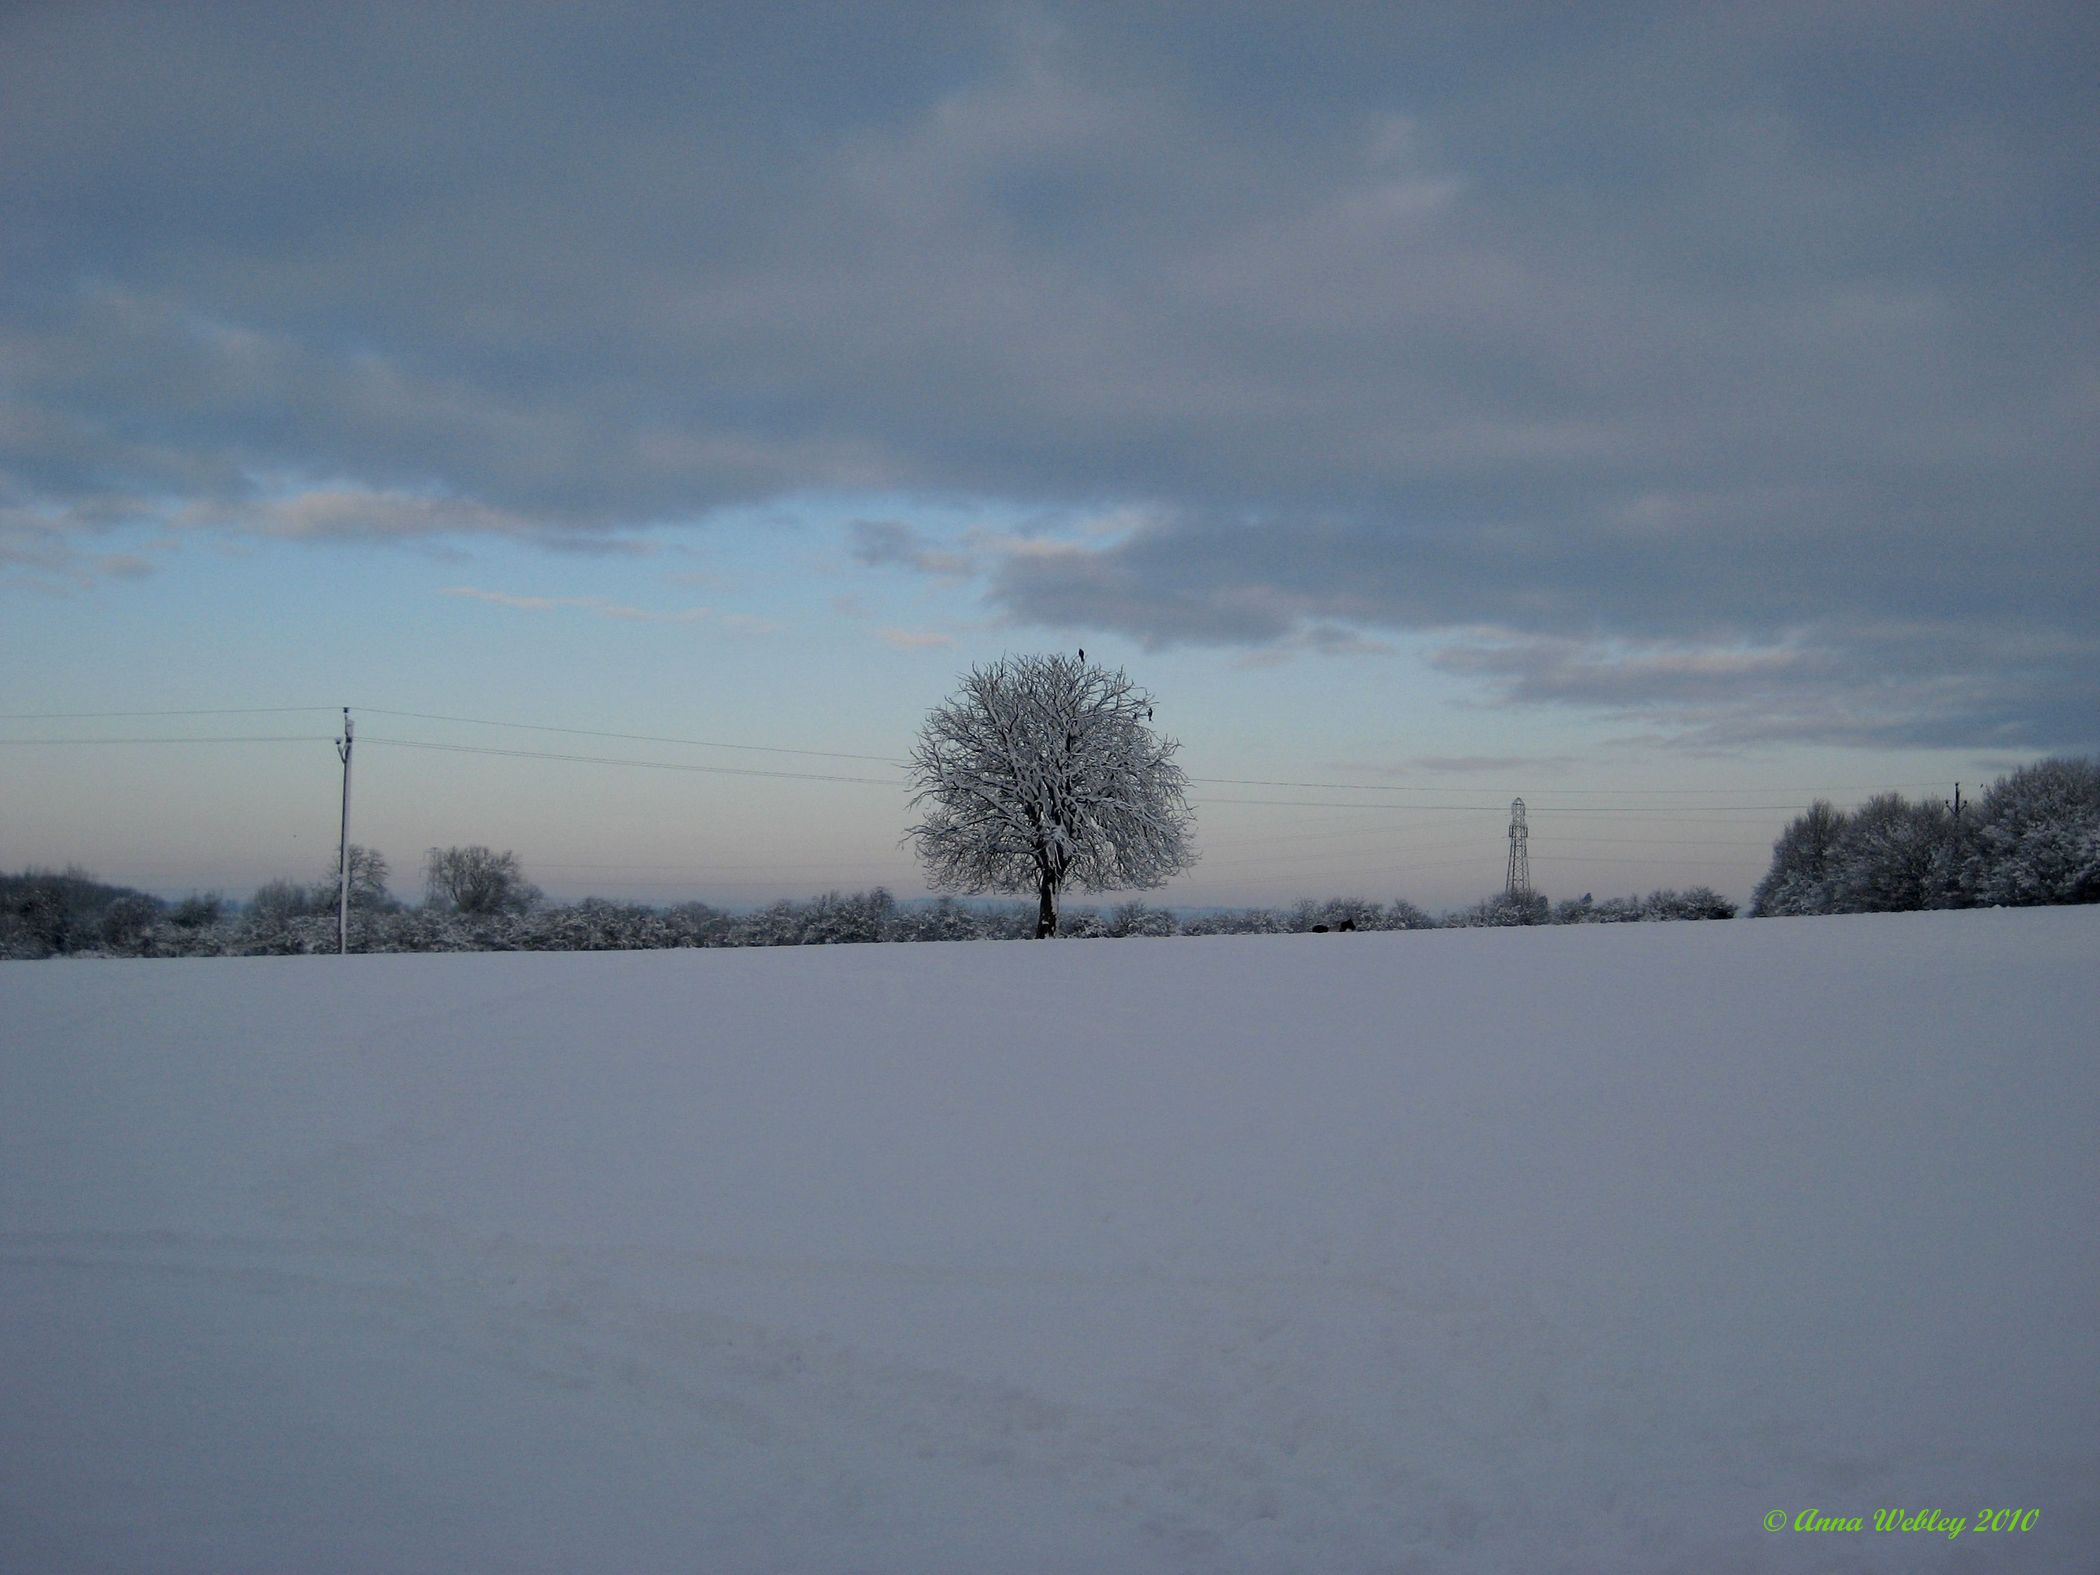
x,y
1574,1249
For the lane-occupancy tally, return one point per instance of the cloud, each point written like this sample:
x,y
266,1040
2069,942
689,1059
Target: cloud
x,y
1877,686
339,513
887,543
595,604
1465,764
1670,331
43,554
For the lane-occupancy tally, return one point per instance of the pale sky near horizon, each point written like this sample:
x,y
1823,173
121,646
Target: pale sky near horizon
x,y
1667,415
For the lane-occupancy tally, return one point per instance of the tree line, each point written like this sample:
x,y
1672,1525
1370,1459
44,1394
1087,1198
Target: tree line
x,y
2032,839
479,900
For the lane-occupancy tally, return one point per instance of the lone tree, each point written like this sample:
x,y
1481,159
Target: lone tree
x,y
476,880
1043,772
368,873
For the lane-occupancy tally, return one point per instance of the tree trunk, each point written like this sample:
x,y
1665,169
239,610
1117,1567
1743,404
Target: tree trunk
x,y
1046,906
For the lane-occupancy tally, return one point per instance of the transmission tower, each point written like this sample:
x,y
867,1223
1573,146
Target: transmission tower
x,y
1519,854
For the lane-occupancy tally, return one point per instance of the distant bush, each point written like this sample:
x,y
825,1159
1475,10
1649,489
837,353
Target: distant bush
x,y
198,911
279,901
126,921
1506,908
1141,918
1233,921
44,913
1700,902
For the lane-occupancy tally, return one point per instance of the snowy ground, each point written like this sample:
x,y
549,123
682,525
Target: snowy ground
x,y
1565,1250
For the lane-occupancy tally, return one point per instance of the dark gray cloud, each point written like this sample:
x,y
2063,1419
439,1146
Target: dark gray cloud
x,y
1688,330
1951,686
894,544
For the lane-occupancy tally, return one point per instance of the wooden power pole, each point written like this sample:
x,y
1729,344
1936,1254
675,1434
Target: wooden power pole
x,y
342,910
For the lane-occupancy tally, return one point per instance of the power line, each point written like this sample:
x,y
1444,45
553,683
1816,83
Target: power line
x,y
81,716
712,883
633,738
1383,787
1361,831
707,869
604,760
1344,853
807,776
1502,809
1400,860
1711,864
838,754
287,738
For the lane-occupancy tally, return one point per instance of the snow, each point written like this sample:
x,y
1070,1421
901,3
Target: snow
x,y
1573,1249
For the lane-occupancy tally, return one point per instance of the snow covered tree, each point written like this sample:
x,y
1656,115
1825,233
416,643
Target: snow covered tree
x,y
2037,836
1800,876
1043,772
1894,856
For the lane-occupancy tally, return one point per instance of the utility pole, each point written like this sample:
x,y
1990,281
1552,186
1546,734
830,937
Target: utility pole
x,y
342,912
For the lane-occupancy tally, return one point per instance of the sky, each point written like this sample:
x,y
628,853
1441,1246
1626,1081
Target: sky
x,y
1666,414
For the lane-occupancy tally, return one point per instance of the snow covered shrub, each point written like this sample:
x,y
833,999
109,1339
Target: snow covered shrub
x,y
1697,902
1232,921
1352,913
1336,913
943,919
1586,909
1137,917
197,911
280,901
694,924
592,925
2037,836
48,913
833,919
261,933
1506,908
127,922
35,922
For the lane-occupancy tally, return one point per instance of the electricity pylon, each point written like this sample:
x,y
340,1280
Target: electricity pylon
x,y
1519,853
